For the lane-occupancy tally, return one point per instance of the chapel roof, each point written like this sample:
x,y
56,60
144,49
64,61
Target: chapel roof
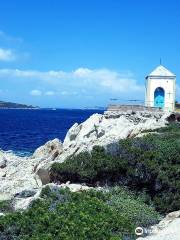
x,y
161,71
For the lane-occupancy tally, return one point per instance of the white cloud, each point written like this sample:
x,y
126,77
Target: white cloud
x,y
49,93
7,55
82,72
36,92
82,79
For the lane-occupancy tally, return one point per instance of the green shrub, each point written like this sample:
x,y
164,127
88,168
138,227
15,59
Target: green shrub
x,y
133,207
150,163
92,167
84,215
61,214
6,206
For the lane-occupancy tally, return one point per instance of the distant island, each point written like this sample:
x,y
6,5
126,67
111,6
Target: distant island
x,y
15,105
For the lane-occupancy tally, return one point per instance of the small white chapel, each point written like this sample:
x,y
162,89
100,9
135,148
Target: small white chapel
x,y
160,89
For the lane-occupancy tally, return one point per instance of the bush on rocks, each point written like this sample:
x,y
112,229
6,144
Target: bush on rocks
x,y
61,214
150,164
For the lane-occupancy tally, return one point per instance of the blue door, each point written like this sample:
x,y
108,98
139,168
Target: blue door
x,y
159,97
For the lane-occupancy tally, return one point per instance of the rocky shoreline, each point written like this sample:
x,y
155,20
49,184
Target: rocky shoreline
x,y
30,173
22,178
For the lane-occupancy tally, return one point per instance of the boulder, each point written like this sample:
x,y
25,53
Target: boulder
x,y
53,147
43,175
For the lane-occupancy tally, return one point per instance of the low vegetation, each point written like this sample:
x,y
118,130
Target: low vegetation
x,y
150,164
61,214
6,206
140,179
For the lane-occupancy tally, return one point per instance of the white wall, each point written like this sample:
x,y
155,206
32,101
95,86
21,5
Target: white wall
x,y
168,84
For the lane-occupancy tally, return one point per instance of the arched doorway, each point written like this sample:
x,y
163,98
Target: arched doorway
x,y
159,97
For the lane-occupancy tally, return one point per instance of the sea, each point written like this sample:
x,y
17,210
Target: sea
x,y
24,130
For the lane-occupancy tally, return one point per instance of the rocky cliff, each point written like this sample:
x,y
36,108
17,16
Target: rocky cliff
x,y
19,174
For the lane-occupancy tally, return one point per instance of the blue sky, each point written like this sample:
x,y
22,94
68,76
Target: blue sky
x,y
82,53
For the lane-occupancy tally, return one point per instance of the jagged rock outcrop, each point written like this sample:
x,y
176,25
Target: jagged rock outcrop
x,y
109,128
16,176
167,229
30,173
50,149
48,153
20,173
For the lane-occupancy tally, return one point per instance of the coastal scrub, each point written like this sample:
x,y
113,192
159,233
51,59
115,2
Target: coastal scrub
x,y
150,164
61,214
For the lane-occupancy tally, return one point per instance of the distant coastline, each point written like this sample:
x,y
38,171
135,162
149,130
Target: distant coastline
x,y
11,105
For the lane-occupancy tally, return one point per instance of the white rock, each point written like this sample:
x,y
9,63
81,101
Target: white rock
x,y
75,187
51,147
47,153
24,203
108,128
167,229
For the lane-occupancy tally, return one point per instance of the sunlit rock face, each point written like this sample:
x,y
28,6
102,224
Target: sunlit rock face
x,y
110,127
